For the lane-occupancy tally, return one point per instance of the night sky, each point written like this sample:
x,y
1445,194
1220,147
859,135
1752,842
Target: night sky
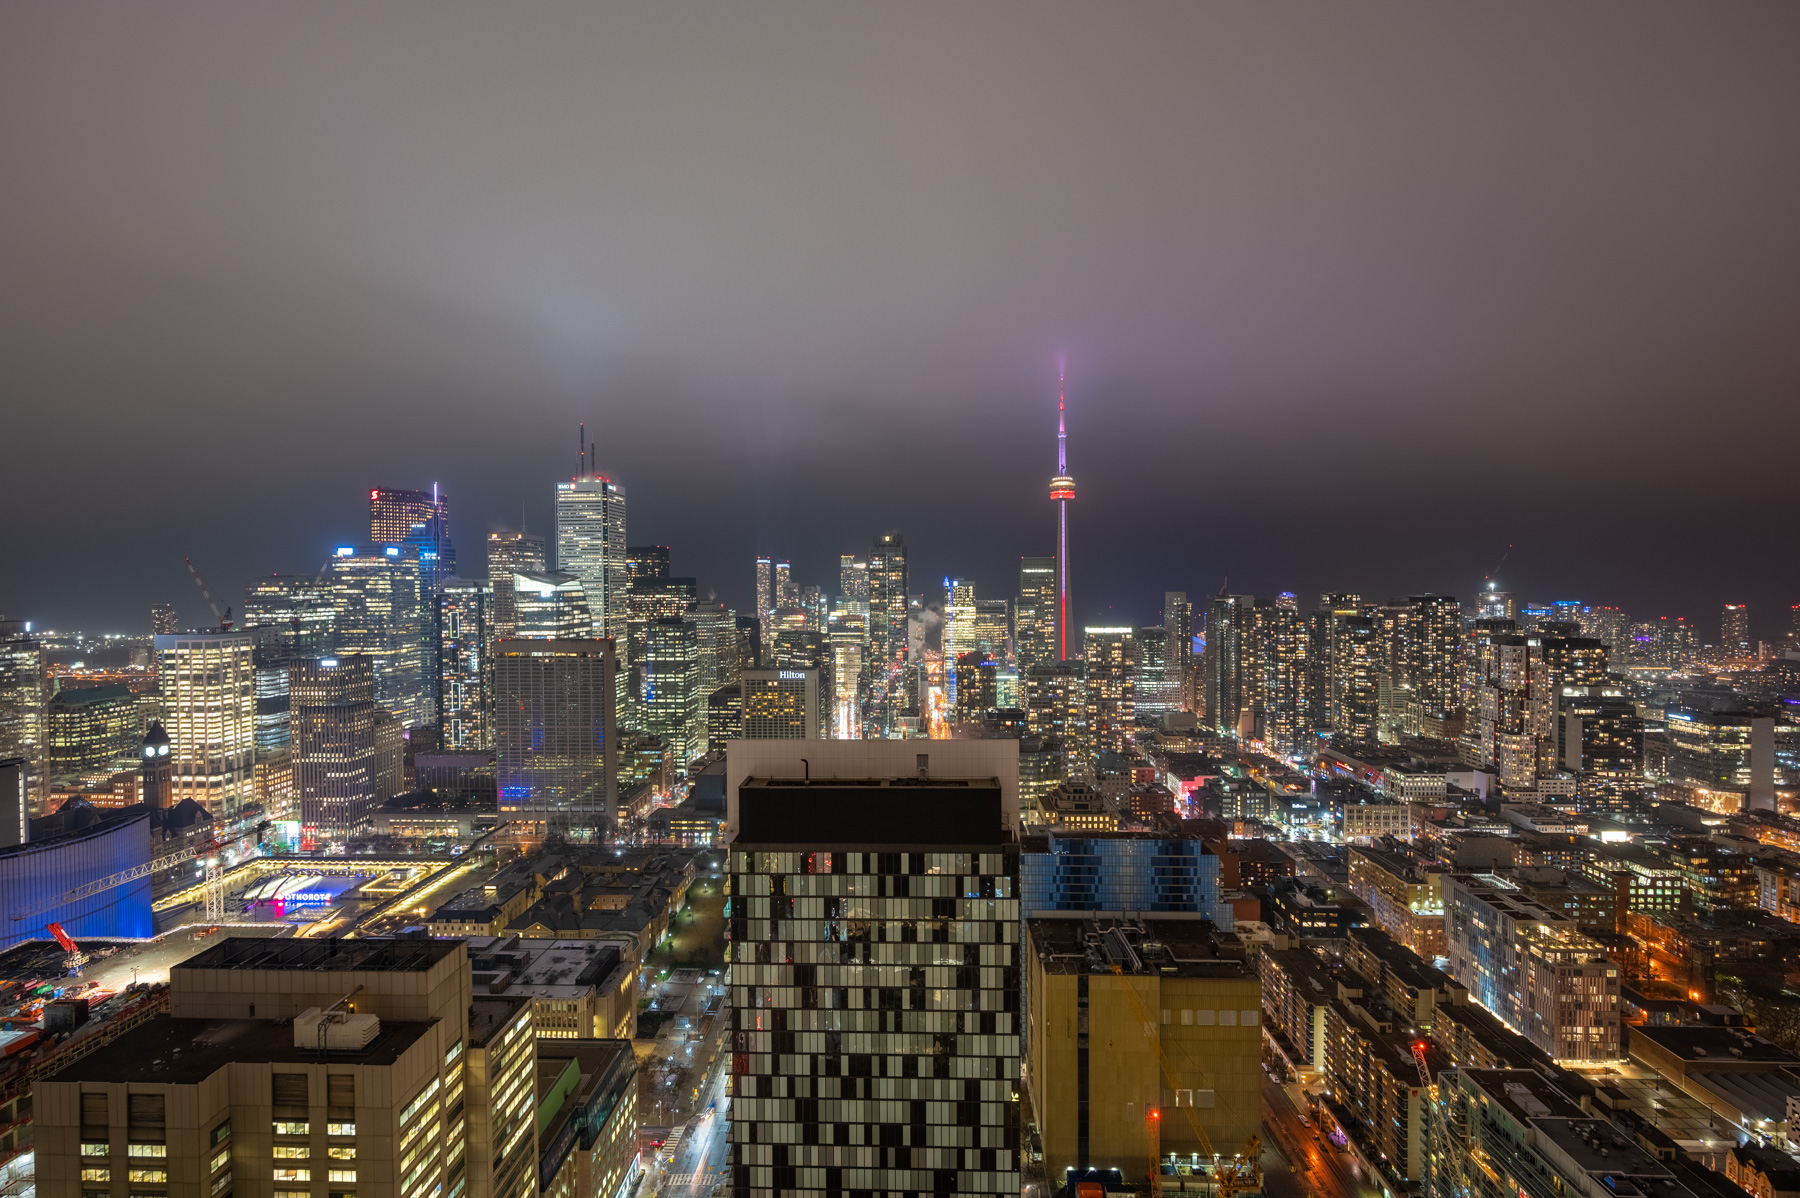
x,y
1350,296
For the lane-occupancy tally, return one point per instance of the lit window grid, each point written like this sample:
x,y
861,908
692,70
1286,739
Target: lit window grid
x,y
900,1056
209,709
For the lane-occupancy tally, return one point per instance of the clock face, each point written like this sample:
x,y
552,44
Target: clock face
x,y
162,750
149,751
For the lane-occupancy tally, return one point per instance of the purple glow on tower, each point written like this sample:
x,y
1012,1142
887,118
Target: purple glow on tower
x,y
1062,489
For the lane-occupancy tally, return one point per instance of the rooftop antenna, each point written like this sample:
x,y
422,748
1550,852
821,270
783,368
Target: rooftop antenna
x,y
583,473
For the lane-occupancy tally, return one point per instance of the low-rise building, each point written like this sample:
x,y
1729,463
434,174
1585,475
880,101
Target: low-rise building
x,y
587,1118
579,989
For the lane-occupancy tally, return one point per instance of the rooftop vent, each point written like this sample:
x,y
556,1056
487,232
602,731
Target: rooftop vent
x,y
336,1031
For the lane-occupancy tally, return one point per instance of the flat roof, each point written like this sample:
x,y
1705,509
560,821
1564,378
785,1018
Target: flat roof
x,y
1706,1045
314,956
188,1051
1187,946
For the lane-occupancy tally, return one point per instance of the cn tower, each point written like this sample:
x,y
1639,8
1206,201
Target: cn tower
x,y
1062,489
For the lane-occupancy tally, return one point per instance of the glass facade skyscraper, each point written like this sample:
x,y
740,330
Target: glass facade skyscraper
x,y
509,553
378,599
332,701
887,636
208,684
555,732
297,609
465,667
1034,619
674,707
590,544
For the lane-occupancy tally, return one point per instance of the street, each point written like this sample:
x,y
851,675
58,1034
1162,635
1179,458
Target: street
x,y
1322,1169
700,1163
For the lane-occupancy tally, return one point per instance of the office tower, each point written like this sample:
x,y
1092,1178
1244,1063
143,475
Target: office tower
x,y
1602,744
847,636
319,1067
87,728
333,718
209,707
295,610
904,1090
672,698
887,636
805,649
590,544
1114,1004
646,561
465,627
1062,490
749,642
1531,967
22,706
1112,658
1035,615
853,577
378,609
957,634
787,594
1734,630
780,704
511,553
724,716
164,618
1726,758
550,606
993,629
555,732
765,590
1056,708
420,519
1178,624
715,639
1157,694
652,599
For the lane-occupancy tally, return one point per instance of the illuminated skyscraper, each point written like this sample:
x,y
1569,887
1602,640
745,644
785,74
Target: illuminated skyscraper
x,y
765,592
1062,490
1178,623
674,707
993,629
958,635
715,639
509,553
1436,652
590,544
1034,618
656,598
333,719
550,606
1222,682
1355,665
1056,708
1734,630
164,618
847,633
22,731
887,635
853,577
646,561
378,608
781,704
297,608
555,729
419,518
209,708
787,594
465,669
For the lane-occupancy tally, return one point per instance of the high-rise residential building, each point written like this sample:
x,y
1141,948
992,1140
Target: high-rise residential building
x,y
511,553
549,606
22,708
1062,492
646,561
465,629
1034,617
296,610
555,732
1493,604
1356,662
164,618
787,594
781,704
1602,744
673,705
847,635
1221,666
332,706
1734,630
1612,628
888,643
1056,709
1273,653
853,577
1178,624
1531,967
1112,658
590,544
912,1094
316,1067
417,518
209,708
379,609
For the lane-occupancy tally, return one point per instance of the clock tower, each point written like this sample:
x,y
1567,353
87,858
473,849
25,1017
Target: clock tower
x,y
158,778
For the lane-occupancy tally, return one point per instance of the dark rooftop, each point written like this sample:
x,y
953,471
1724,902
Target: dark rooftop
x,y
1174,947
390,956
188,1051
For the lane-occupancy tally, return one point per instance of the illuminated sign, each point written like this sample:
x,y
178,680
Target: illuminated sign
x,y
346,551
792,676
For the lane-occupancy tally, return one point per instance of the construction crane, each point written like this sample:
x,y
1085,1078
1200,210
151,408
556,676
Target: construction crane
x,y
1240,1173
1425,1083
75,958
224,617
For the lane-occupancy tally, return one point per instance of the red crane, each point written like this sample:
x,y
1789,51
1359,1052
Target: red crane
x,y
224,617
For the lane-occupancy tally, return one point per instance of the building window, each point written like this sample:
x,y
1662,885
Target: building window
x,y
340,1129
148,1150
96,1175
158,1175
293,1175
96,1148
287,1127
291,1152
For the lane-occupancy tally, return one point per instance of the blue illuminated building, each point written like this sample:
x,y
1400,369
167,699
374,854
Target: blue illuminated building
x,y
69,852
1122,872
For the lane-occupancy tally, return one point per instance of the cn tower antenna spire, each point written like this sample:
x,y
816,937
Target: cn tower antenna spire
x,y
1062,489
